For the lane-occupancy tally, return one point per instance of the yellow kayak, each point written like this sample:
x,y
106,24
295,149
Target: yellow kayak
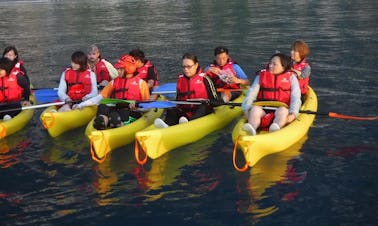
x,y
155,142
57,123
104,141
264,143
16,123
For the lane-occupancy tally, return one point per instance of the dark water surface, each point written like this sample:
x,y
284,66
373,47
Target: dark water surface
x,y
329,178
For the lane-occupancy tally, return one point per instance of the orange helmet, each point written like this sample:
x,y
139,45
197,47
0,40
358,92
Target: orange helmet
x,y
128,63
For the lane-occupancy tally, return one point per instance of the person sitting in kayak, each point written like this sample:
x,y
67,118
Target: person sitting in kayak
x,y
192,84
277,83
126,86
77,83
226,73
104,70
14,90
146,70
11,53
299,52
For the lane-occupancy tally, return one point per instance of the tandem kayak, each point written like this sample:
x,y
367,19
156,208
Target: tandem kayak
x,y
155,142
57,123
16,123
104,141
264,143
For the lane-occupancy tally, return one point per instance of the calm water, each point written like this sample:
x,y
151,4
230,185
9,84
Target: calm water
x,y
329,178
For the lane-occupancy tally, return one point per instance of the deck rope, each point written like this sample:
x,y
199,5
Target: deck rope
x,y
93,154
137,154
245,167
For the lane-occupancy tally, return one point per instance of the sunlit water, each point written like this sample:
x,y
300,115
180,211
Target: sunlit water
x,y
328,178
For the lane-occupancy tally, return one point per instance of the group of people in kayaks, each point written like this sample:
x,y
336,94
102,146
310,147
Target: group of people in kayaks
x,y
91,78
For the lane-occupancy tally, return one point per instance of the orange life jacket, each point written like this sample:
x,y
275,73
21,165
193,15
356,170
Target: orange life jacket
x,y
127,88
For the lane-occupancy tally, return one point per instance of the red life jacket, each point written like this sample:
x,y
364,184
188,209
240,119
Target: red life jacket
x,y
191,88
218,82
10,91
275,87
303,83
143,72
127,88
102,72
17,68
78,83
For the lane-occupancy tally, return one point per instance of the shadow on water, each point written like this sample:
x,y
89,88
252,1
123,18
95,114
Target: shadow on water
x,y
155,180
275,169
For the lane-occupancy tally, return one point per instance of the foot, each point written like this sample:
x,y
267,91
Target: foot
x,y
159,123
183,120
274,127
249,129
7,117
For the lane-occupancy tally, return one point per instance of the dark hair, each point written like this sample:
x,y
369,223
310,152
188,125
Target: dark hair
x,y
219,50
286,61
81,59
11,48
192,57
6,64
138,55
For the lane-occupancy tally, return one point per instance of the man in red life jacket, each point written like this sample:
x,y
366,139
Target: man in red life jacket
x,y
104,70
226,73
146,70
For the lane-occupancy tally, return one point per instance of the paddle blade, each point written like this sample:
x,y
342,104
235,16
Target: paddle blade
x,y
337,115
46,95
168,90
157,104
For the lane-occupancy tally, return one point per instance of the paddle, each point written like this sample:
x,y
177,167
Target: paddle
x,y
46,95
170,88
164,103
331,114
33,107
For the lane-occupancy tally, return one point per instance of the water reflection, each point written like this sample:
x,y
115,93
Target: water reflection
x,y
275,169
11,149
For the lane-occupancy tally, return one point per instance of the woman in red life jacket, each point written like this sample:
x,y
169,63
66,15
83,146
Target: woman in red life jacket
x,y
77,83
146,70
104,70
226,73
14,89
191,84
126,86
278,83
11,53
299,53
